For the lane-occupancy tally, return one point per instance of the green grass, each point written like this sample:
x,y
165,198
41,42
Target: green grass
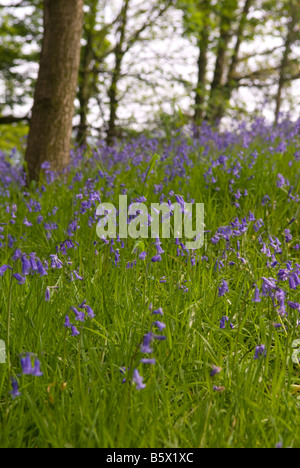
x,y
80,401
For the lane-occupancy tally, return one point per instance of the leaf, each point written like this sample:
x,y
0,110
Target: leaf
x,y
2,352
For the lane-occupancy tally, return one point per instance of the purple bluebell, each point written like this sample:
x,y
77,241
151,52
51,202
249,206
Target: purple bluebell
x,y
47,294
159,337
156,258
148,361
215,370
15,389
32,261
288,235
260,351
256,296
138,380
145,346
17,254
160,325
26,267
4,268
37,369
223,322
41,269
159,311
79,316
75,332
219,389
88,309
77,276
21,280
67,323
26,365
223,289
294,305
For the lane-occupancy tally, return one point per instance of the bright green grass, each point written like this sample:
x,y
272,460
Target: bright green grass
x,y
81,401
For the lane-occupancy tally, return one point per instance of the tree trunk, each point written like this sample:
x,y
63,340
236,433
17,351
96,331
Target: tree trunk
x,y
51,122
290,38
216,90
113,89
203,42
84,91
229,87
87,77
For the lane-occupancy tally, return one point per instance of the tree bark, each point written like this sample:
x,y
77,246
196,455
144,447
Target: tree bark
x,y
113,89
203,42
290,38
216,94
230,84
51,122
87,77
84,91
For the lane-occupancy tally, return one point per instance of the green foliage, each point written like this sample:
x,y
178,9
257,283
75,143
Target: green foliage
x,y
13,136
20,39
80,401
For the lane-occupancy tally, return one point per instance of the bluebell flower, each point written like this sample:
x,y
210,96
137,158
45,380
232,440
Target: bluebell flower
x,y
159,325
156,258
148,361
215,370
47,294
4,268
67,323
37,369
26,365
88,309
138,380
15,389
223,322
19,278
17,254
256,296
260,351
145,347
159,337
219,389
41,269
223,289
75,332
79,316
288,235
25,265
32,261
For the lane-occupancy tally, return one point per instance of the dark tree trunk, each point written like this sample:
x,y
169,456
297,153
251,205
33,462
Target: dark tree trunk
x,y
216,91
229,87
290,38
84,91
51,122
113,89
87,76
203,42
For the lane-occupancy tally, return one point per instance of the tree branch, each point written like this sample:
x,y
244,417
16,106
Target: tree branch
x,y
10,119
